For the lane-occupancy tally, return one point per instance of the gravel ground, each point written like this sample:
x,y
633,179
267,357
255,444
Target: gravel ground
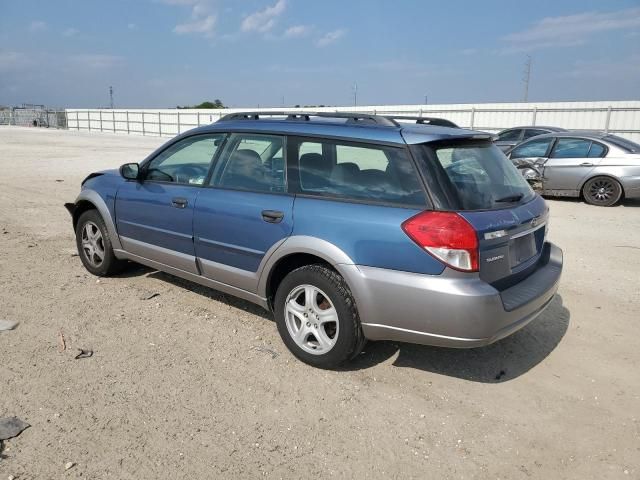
x,y
196,384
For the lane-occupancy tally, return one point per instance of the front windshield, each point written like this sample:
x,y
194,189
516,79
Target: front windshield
x,y
479,177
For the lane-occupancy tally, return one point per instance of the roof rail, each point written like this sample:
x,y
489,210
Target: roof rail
x,y
351,117
438,122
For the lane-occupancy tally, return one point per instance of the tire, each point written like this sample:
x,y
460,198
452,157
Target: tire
x,y
602,191
93,241
324,333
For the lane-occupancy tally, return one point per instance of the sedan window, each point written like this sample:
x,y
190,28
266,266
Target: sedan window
x,y
533,132
533,148
597,150
571,148
509,135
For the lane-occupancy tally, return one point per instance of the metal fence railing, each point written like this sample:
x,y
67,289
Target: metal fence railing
x,y
622,118
34,117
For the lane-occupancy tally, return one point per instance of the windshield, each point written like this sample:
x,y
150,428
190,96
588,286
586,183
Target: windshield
x,y
473,176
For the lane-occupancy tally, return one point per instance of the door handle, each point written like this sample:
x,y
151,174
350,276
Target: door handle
x,y
272,216
179,202
586,164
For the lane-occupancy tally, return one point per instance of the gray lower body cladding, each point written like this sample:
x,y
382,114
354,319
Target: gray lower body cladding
x,y
452,309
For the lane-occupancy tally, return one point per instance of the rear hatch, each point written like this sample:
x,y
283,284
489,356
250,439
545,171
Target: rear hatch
x,y
476,180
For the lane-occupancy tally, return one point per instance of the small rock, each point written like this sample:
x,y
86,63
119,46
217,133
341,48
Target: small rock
x,y
7,325
11,477
69,465
149,296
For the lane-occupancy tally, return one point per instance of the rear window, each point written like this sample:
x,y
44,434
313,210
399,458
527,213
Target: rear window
x,y
472,176
623,143
358,172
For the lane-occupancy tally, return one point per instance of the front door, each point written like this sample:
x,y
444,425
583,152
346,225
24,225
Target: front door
x,y
154,215
569,164
246,212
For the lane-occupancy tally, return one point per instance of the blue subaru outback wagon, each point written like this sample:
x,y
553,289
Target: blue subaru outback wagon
x,y
349,227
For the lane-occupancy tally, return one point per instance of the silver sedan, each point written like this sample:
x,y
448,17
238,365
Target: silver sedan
x,y
599,167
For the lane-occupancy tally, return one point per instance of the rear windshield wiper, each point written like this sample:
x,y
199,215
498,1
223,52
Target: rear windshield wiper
x,y
511,198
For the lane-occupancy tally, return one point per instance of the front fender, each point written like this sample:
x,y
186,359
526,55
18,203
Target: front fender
x,y
95,199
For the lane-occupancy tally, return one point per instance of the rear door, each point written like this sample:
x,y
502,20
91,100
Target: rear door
x,y
245,210
571,160
154,215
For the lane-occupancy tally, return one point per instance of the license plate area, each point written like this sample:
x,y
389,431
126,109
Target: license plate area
x,y
522,249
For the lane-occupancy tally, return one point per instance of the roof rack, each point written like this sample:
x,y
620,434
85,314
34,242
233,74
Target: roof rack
x,y
351,117
438,122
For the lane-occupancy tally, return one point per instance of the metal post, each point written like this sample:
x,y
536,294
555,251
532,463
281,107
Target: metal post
x,y
143,123
473,115
533,119
10,116
127,122
89,119
159,124
198,118
113,116
77,121
100,111
608,120
178,122
66,119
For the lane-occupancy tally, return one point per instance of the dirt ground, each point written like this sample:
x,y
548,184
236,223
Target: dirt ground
x,y
196,384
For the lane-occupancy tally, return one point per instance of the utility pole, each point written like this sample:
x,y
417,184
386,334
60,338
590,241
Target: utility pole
x,y
355,94
526,78
111,96
426,99
283,100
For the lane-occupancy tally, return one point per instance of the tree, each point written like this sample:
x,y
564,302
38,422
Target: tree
x,y
207,105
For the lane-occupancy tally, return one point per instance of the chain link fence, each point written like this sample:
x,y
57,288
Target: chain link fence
x,y
34,116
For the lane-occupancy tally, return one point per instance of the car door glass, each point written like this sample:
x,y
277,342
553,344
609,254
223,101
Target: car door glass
x,y
533,148
509,136
186,162
597,150
252,162
571,148
533,132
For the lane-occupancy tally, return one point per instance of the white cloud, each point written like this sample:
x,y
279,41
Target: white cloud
x,y
97,60
37,26
298,31
263,20
69,32
331,37
571,30
203,18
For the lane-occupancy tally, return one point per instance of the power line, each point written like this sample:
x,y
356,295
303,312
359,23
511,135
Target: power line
x,y
526,78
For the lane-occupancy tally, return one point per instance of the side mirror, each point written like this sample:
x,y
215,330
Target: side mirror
x,y
130,171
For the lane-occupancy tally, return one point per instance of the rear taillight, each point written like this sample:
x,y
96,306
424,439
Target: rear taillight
x,y
446,236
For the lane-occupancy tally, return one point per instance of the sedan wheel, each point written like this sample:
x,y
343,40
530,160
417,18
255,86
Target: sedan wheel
x,y
602,191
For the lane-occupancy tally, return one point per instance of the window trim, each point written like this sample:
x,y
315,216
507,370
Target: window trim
x,y
144,165
517,140
293,144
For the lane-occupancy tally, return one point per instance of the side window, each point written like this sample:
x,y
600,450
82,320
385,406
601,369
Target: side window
x,y
571,148
597,150
533,148
510,135
185,162
359,172
252,162
533,132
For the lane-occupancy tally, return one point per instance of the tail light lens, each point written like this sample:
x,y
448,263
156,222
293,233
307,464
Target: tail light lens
x,y
446,236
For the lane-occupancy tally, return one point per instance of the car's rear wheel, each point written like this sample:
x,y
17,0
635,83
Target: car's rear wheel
x,y
94,245
602,191
317,317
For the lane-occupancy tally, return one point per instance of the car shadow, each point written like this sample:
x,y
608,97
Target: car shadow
x,y
500,362
625,202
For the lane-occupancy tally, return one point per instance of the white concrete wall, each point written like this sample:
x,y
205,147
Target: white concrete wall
x,y
619,117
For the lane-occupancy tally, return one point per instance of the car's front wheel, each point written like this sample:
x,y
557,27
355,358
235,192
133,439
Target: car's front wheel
x,y
602,191
317,317
94,245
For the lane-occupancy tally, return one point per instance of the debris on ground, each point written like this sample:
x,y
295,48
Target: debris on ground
x,y
69,465
59,180
61,342
8,325
149,296
11,427
84,353
273,353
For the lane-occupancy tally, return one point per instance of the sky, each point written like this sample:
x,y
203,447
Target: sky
x,y
248,53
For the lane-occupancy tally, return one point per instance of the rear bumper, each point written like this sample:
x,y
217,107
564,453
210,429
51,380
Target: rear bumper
x,y
452,309
631,186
